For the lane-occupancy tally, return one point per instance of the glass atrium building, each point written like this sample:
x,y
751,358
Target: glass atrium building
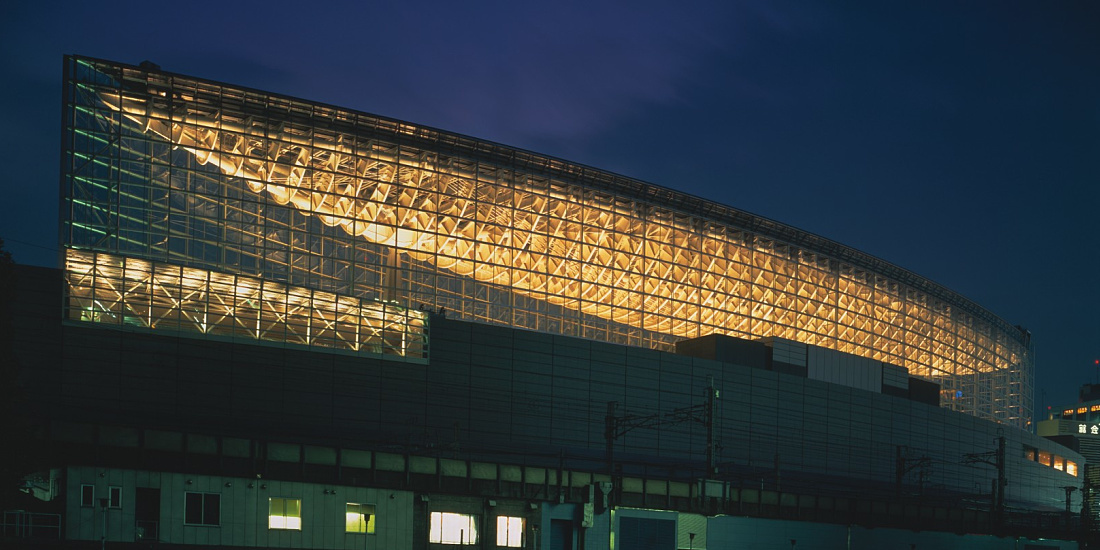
x,y
202,208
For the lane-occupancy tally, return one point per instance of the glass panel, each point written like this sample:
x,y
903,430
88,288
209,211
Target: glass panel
x,y
284,513
192,508
510,531
211,511
359,518
189,173
451,528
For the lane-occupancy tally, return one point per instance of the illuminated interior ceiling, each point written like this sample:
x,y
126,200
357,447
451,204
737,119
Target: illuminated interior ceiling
x,y
629,259
116,290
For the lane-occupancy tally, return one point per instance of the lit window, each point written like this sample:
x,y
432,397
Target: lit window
x,y
510,531
1071,468
284,513
87,495
1058,464
1044,458
360,518
114,495
202,509
448,528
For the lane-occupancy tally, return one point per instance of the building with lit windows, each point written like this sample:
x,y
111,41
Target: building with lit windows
x,y
1077,426
288,324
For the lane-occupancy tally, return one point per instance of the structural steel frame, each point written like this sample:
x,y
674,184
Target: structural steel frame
x,y
175,169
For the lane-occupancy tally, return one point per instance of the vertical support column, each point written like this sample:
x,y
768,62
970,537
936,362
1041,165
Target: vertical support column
x,y
708,419
1002,480
610,427
899,471
609,437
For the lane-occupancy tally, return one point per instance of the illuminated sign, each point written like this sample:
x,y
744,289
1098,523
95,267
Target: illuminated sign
x,y
1067,413
1085,429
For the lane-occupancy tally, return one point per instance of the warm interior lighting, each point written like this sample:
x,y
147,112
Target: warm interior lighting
x,y
284,513
451,528
359,518
523,249
510,531
105,288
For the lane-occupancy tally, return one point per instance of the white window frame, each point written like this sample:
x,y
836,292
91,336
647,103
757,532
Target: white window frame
x,y
453,528
283,522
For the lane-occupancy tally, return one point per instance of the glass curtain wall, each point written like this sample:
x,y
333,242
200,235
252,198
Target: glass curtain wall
x,y
208,176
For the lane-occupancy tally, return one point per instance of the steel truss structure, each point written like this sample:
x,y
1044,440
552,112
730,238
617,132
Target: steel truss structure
x,y
132,292
175,169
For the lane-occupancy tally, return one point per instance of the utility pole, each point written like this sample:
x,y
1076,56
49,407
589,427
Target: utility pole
x,y
708,420
1069,489
1002,481
103,513
899,471
616,426
610,435
996,459
903,466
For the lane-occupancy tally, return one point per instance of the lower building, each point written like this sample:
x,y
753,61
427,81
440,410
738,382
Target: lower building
x,y
1077,426
506,438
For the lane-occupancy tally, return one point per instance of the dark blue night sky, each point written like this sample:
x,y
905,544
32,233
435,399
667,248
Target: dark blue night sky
x,y
960,140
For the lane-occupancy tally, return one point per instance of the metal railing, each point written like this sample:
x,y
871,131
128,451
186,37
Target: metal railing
x,y
25,525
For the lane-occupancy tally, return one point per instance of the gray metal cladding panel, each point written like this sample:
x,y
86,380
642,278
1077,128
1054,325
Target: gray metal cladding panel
x,y
444,330
702,370
568,435
491,377
737,394
678,363
347,407
487,423
531,360
569,367
577,373
641,356
788,423
528,360
537,383
638,383
639,401
309,409
790,400
764,380
565,346
527,428
358,382
532,345
607,372
489,334
312,378
572,387
608,353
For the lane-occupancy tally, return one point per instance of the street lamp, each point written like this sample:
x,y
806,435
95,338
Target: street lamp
x,y
103,512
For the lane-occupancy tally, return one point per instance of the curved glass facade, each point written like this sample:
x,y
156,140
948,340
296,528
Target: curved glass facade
x,y
178,170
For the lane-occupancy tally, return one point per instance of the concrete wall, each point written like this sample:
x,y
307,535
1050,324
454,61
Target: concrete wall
x,y
244,511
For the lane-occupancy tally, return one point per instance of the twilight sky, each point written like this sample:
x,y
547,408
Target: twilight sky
x,y
959,140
